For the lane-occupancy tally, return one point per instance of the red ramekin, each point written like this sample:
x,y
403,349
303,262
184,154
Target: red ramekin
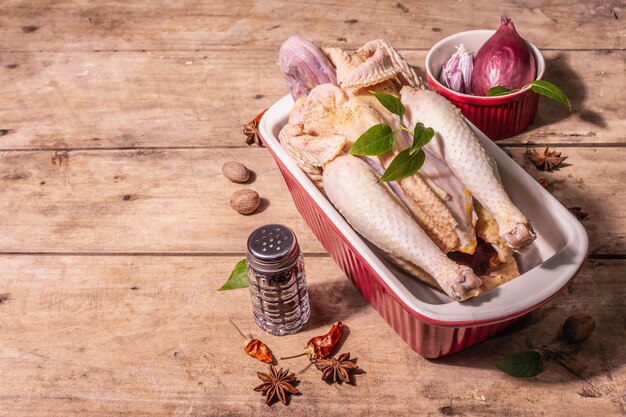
x,y
497,117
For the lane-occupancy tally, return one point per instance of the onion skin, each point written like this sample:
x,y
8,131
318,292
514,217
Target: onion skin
x,y
504,60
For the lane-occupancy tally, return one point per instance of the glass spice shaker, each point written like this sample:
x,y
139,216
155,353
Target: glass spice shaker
x,y
280,298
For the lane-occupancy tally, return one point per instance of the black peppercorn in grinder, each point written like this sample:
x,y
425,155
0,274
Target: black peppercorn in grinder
x,y
278,289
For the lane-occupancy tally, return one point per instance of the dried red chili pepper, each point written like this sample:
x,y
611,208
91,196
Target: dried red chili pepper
x,y
258,350
255,348
320,347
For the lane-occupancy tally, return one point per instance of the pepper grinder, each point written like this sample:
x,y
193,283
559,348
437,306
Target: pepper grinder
x,y
278,289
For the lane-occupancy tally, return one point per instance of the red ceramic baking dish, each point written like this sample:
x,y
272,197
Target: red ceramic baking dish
x,y
497,117
430,322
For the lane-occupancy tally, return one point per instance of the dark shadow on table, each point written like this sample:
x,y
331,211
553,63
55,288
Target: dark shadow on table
x,y
600,354
333,301
263,205
559,72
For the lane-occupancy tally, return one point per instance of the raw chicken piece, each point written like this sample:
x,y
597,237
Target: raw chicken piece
x,y
457,146
354,190
426,207
429,193
457,199
311,153
371,64
417,220
329,110
304,66
440,202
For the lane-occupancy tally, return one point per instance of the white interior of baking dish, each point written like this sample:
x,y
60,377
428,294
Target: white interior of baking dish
x,y
552,260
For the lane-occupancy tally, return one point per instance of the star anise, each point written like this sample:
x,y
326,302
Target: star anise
x,y
276,383
251,130
546,160
336,369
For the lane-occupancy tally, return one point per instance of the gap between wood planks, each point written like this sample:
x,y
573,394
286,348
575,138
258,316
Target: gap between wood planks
x,y
591,256
132,114
244,146
264,49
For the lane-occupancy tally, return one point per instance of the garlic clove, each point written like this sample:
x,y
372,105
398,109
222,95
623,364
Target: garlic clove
x,y
456,73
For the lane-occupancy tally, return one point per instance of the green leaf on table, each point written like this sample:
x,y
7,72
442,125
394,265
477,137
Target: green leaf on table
x,y
551,91
404,165
376,140
522,364
498,90
238,278
421,136
391,103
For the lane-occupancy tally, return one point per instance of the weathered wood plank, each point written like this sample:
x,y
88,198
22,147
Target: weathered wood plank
x,y
88,100
137,336
98,335
596,117
177,201
154,99
592,180
137,201
162,25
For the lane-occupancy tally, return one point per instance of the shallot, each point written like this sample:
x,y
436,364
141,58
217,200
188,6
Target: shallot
x,y
505,60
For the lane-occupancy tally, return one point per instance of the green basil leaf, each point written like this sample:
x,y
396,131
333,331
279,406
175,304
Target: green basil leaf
x,y
376,140
238,278
404,165
551,91
522,364
421,136
391,103
498,90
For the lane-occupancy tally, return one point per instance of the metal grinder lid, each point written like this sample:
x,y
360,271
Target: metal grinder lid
x,y
272,247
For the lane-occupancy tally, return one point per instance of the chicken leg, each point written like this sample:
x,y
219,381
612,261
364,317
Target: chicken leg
x,y
354,190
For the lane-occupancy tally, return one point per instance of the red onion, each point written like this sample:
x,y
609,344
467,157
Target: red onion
x,y
504,60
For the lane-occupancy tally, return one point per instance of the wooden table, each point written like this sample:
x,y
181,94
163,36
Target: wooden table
x,y
115,227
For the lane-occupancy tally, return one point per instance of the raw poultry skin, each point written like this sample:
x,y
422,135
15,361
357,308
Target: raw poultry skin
x,y
329,110
456,145
438,200
417,220
354,190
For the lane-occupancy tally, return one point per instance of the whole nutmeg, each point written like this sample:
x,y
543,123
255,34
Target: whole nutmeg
x,y
578,327
235,171
245,201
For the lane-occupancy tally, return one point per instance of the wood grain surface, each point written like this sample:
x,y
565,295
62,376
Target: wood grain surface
x,y
142,99
143,335
115,227
71,25
177,200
